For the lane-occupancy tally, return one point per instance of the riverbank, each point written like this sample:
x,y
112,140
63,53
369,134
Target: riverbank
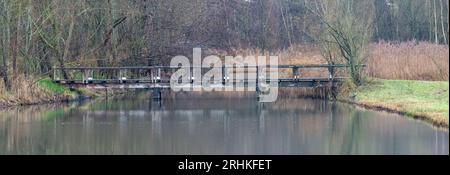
x,y
426,100
29,91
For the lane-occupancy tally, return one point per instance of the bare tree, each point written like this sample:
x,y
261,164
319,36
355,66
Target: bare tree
x,y
347,27
6,33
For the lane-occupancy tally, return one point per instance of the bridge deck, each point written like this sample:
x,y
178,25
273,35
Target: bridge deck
x,y
165,84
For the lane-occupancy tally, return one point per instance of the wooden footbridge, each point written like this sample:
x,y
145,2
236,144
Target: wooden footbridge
x,y
157,78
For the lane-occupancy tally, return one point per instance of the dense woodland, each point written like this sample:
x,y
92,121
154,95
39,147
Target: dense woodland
x,y
37,35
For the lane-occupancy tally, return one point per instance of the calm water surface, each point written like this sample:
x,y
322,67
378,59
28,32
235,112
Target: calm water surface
x,y
136,125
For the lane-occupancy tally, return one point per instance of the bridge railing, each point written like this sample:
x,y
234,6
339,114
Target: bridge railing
x,y
158,74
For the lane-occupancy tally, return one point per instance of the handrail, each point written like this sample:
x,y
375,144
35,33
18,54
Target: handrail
x,y
236,66
155,72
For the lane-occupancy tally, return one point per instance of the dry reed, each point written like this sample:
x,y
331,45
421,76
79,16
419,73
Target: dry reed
x,y
408,60
24,91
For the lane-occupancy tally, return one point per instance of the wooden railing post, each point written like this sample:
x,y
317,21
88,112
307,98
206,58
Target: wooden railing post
x,y
90,75
151,75
83,75
158,79
223,75
331,71
296,72
54,73
146,75
191,77
120,75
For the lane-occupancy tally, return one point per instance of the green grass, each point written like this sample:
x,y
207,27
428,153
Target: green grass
x,y
429,99
47,83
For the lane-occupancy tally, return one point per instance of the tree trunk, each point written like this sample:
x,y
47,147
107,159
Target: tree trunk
x,y
442,22
15,45
5,45
436,40
67,44
285,24
113,35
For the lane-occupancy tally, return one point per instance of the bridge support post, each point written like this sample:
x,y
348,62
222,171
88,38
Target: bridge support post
x,y
332,84
156,94
258,94
258,90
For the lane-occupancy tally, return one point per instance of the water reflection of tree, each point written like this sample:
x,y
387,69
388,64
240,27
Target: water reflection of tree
x,y
352,133
344,130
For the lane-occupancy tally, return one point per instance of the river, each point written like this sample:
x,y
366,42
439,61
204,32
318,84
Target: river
x,y
137,125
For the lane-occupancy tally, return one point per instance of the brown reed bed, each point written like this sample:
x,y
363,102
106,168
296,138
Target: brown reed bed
x,y
409,61
25,91
406,60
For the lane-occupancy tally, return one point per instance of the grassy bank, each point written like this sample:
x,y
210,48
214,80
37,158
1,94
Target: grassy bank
x,y
427,100
31,90
48,84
